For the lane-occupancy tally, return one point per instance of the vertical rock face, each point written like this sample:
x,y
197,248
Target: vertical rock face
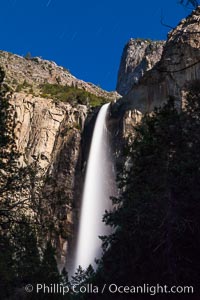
x,y
48,140
177,68
138,57
40,124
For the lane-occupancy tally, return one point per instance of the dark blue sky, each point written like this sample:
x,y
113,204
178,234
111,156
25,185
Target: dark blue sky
x,y
87,37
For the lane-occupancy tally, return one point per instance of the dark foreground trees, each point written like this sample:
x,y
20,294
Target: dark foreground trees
x,y
23,261
24,258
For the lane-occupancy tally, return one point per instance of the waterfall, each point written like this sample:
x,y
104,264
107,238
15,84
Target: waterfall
x,y
98,187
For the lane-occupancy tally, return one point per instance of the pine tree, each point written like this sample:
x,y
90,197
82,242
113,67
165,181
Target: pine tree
x,y
49,271
82,278
7,272
26,253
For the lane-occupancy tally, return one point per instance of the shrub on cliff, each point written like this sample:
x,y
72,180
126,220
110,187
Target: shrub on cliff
x,y
71,95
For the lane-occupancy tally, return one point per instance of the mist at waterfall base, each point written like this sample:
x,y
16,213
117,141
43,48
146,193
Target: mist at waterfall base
x,y
98,187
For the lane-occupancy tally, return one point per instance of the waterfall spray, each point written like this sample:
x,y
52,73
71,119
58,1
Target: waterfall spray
x,y
98,187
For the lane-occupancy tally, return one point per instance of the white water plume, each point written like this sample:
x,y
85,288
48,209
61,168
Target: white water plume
x,y
98,187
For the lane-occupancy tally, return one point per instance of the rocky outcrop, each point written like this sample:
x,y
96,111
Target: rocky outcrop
x,y
36,71
39,125
178,67
138,57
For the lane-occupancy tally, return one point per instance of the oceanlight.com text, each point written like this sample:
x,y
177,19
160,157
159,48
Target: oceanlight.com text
x,y
113,288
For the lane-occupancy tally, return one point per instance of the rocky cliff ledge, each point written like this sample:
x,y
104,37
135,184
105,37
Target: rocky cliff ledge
x,y
139,56
36,71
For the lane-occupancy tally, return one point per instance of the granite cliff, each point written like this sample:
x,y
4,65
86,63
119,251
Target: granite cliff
x,y
148,79
139,56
